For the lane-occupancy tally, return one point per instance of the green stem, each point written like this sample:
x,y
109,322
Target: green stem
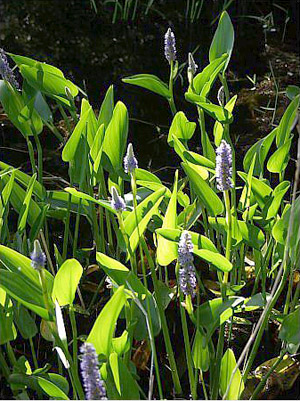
x,y
31,154
76,231
40,158
55,131
35,362
67,228
187,346
164,324
10,354
134,193
74,333
171,99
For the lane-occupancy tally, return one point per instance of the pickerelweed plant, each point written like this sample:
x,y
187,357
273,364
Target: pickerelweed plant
x,y
216,246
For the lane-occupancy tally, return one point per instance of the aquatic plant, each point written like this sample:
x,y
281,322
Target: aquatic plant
x,y
219,243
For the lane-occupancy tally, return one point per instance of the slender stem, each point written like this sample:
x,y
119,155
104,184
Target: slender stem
x,y
55,131
76,230
44,290
67,229
187,346
164,324
65,117
31,154
74,333
171,99
40,158
35,362
134,192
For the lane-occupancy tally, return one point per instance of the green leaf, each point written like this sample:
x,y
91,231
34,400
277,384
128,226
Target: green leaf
x,y
115,139
200,160
199,241
290,330
66,281
181,128
218,127
274,202
51,389
81,195
286,122
185,155
24,179
21,265
214,313
150,82
70,147
145,175
218,260
24,291
201,357
292,91
124,277
124,382
206,195
47,82
260,149
107,108
228,364
24,321
8,331
223,39
26,205
167,250
13,104
203,81
104,327
259,188
121,344
219,113
279,159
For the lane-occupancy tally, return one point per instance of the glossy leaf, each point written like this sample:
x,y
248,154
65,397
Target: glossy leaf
x,y
287,121
181,128
150,82
201,357
228,364
204,192
125,384
167,250
115,139
223,39
280,158
290,330
218,127
23,214
216,259
107,108
66,281
103,329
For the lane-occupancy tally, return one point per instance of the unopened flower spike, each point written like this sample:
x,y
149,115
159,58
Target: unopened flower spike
x,y
192,67
117,202
221,96
170,46
89,365
130,161
187,273
38,258
224,166
5,71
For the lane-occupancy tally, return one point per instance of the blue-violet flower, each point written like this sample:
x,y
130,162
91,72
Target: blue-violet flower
x,y
5,71
89,365
170,46
130,161
224,166
187,273
117,202
38,258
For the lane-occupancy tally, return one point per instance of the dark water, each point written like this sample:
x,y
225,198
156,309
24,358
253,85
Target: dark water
x,y
94,53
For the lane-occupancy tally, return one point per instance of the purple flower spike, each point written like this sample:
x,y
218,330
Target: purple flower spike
x,y
170,46
38,258
187,273
89,365
224,166
130,162
5,70
117,202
